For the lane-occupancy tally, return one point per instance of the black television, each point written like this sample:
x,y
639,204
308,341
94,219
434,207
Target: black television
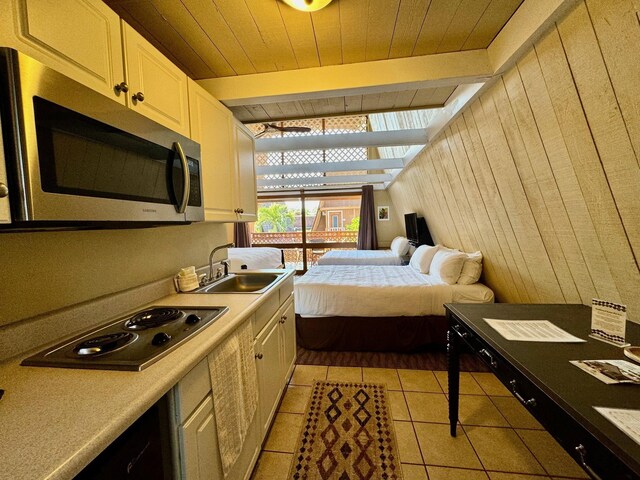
x,y
416,230
411,227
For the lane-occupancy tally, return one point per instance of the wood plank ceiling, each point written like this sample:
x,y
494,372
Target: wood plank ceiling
x,y
219,38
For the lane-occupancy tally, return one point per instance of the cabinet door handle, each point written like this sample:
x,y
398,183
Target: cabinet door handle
x,y
240,210
4,190
121,87
582,453
529,403
492,360
259,356
283,318
139,97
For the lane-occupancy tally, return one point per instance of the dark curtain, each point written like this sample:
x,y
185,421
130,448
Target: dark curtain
x,y
367,237
241,235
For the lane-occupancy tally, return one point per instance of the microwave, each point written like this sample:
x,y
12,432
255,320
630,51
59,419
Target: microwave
x,y
73,158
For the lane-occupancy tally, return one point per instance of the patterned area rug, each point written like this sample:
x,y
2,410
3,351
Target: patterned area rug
x,y
347,435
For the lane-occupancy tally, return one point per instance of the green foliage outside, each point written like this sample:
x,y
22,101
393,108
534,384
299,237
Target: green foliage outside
x,y
354,226
275,218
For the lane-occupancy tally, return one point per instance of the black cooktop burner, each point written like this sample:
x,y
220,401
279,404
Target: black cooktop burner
x,y
130,342
104,344
152,318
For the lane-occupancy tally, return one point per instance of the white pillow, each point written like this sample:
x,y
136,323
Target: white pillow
x,y
447,265
400,246
471,269
421,258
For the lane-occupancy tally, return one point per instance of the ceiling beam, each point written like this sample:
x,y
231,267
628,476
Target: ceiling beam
x,y
532,19
334,180
392,138
411,73
380,164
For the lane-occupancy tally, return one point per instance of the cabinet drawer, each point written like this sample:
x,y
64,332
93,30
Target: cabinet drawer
x,y
286,290
192,389
265,312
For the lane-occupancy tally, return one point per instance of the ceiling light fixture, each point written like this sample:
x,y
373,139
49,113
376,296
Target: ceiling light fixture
x,y
307,5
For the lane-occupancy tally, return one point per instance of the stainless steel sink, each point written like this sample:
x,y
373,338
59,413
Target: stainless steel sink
x,y
241,283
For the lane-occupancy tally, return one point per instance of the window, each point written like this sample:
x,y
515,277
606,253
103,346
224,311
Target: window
x,y
330,222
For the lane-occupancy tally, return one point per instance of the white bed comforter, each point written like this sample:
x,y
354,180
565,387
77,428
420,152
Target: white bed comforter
x,y
254,258
378,291
360,257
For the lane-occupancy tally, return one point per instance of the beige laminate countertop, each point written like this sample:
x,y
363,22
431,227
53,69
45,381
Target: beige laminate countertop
x,y
54,421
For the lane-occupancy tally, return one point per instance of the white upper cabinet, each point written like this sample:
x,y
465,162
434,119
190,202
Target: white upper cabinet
x,y
87,41
157,88
211,127
79,38
246,173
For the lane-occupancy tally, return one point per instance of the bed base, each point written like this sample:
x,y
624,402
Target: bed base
x,y
371,334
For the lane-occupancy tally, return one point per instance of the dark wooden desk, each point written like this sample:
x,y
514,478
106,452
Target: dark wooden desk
x,y
559,395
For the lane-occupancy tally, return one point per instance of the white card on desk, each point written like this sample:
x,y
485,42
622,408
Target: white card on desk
x,y
626,420
608,322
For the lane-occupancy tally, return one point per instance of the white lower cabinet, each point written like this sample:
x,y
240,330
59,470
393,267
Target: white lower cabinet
x,y
200,443
195,431
275,358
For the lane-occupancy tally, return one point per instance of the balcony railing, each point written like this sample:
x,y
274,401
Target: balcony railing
x,y
296,237
317,244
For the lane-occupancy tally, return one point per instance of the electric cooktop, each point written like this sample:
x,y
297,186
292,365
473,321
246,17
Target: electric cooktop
x,y
130,343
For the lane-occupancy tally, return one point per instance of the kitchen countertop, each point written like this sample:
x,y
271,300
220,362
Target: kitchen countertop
x,y
54,421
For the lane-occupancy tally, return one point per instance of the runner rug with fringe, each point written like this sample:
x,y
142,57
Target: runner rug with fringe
x,y
347,434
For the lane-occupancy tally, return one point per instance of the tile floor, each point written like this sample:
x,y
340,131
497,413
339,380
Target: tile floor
x,y
497,438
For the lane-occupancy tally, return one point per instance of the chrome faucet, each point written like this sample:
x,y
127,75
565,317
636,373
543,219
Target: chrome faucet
x,y
211,277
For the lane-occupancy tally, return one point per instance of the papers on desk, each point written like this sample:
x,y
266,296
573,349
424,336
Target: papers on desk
x,y
531,331
610,371
626,420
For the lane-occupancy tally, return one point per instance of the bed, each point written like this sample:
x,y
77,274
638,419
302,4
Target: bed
x,y
255,258
394,256
375,308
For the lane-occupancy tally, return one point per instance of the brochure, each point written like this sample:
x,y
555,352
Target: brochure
x,y
610,371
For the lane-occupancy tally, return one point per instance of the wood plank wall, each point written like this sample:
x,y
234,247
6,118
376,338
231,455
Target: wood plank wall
x,y
541,173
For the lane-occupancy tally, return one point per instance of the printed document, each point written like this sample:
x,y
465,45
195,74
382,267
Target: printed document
x,y
626,420
531,331
610,371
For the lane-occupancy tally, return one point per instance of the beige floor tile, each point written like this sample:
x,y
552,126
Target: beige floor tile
x,y
306,374
478,410
399,409
295,399
284,433
491,385
419,381
440,448
428,407
514,476
445,473
550,454
501,449
515,413
345,374
407,443
272,466
388,376
468,385
414,472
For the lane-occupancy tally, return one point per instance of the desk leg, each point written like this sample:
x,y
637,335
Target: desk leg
x,y
453,357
